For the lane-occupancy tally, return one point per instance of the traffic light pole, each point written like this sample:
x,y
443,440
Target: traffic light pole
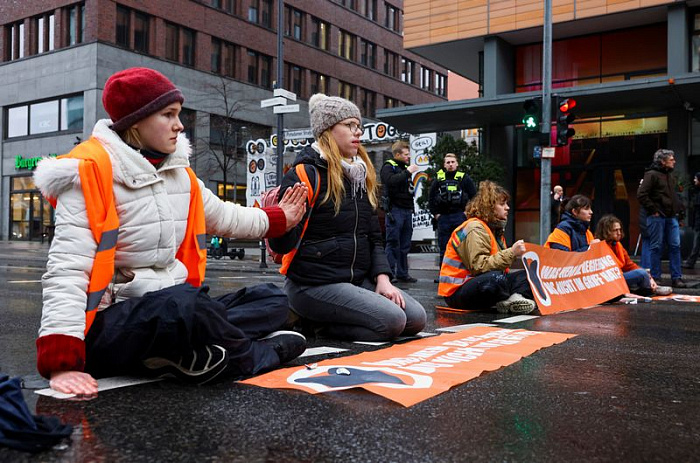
x,y
545,162
280,81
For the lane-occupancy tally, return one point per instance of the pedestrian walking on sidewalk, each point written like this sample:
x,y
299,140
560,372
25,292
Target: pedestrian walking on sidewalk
x,y
122,292
339,278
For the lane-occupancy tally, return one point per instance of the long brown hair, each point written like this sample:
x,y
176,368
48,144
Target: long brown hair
x,y
336,187
603,231
483,205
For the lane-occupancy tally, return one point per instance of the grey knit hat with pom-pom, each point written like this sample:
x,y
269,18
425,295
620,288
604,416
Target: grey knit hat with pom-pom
x,y
326,111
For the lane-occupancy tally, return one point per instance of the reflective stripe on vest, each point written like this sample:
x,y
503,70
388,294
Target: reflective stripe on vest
x,y
453,272
441,175
95,169
311,199
562,238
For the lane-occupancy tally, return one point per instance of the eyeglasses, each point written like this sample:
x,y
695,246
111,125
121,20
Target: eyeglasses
x,y
614,230
354,127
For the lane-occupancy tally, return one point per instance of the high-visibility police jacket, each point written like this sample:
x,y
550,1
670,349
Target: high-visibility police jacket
x,y
571,234
453,272
152,205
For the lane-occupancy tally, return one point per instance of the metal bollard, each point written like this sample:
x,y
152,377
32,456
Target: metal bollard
x,y
263,254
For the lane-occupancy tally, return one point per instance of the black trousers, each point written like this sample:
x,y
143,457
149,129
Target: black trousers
x,y
175,320
483,291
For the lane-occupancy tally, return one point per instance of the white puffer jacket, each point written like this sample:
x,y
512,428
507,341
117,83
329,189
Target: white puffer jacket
x,y
152,204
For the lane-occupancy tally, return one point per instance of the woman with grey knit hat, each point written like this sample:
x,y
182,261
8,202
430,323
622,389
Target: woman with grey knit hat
x,y
339,281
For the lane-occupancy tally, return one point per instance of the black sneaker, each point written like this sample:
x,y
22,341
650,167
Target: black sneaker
x,y
407,279
197,367
678,283
288,344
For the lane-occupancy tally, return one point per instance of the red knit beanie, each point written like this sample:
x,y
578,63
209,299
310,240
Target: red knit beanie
x,y
135,93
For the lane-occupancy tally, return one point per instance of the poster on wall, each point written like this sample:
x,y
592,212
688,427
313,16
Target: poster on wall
x,y
261,169
419,144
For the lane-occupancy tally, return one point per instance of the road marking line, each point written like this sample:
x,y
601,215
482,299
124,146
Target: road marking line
x,y
321,350
516,319
457,328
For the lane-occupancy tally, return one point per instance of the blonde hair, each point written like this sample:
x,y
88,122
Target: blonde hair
x,y
483,205
399,146
336,186
131,137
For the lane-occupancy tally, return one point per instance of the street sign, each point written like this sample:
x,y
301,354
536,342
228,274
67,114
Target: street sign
x,y
290,108
272,102
548,153
298,134
285,93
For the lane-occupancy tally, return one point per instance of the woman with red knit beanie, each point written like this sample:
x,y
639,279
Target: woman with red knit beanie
x,y
122,293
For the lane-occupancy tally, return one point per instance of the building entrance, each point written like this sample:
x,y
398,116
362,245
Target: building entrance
x,y
31,215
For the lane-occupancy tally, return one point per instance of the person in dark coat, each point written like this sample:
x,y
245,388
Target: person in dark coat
x,y
658,196
572,233
339,279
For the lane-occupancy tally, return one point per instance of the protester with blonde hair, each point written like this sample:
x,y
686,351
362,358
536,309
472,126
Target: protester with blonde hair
x,y
339,279
475,269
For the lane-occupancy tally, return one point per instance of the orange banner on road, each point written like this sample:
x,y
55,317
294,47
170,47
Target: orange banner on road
x,y
572,280
415,371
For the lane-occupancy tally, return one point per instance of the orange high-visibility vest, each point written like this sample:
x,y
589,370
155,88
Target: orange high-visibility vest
x,y
312,194
453,272
561,237
96,180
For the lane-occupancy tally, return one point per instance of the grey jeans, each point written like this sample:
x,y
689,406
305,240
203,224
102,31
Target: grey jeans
x,y
356,313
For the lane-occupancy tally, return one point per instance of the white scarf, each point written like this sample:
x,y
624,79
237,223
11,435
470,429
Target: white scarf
x,y
354,169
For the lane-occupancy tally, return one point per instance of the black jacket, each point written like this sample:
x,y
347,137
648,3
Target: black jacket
x,y
659,192
335,248
437,204
397,184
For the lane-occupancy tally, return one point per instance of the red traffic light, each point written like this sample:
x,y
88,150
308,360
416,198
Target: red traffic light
x,y
567,105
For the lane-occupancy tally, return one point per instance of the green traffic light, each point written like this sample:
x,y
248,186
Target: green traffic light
x,y
530,122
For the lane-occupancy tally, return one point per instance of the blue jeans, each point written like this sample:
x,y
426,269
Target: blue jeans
x,y
664,230
399,230
638,282
645,261
356,313
446,225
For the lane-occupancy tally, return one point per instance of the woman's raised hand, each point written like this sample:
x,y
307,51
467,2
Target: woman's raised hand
x,y
293,203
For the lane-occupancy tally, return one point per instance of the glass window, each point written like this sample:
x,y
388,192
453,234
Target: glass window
x,y
425,78
391,20
266,71
320,33
172,43
123,26
252,67
346,90
319,83
369,99
40,35
266,13
187,47
230,60
407,67
253,9
368,55
72,113
17,121
23,183
141,32
52,22
76,21
391,63
346,45
215,55
43,117
21,40
188,117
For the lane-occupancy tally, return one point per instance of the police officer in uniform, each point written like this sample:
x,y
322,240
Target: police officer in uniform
x,y
449,194
397,174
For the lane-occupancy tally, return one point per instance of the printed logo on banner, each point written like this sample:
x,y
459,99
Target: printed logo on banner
x,y
531,261
339,377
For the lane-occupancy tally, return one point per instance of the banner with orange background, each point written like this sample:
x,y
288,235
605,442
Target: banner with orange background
x,y
418,370
572,280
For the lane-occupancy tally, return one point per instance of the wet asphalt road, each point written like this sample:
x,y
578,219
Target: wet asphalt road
x,y
627,388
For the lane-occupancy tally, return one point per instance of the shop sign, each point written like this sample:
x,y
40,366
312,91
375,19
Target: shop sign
x,y
22,163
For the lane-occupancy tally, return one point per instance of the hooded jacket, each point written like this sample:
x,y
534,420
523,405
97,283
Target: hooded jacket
x,y
343,248
576,229
152,205
658,192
